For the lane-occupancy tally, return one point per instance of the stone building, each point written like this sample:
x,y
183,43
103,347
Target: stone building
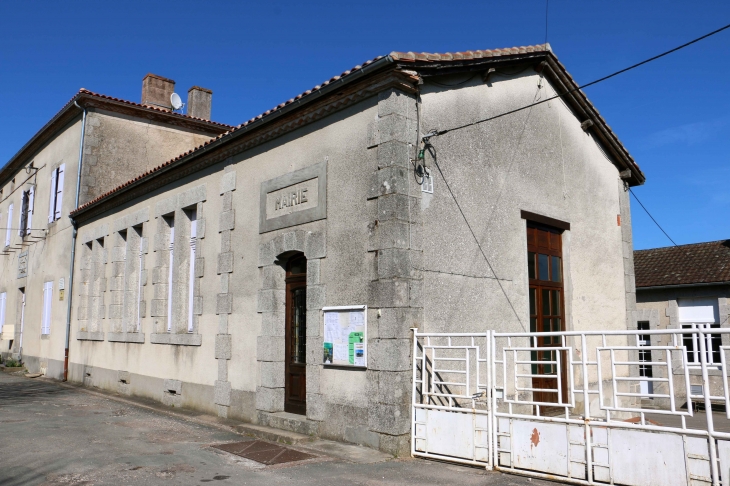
x,y
49,177
217,280
684,287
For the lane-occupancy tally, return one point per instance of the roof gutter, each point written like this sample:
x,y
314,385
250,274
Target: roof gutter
x,y
73,244
676,286
243,130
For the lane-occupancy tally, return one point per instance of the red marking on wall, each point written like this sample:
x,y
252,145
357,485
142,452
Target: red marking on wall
x,y
535,438
618,219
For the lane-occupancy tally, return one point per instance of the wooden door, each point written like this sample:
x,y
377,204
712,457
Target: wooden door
x,y
547,309
295,366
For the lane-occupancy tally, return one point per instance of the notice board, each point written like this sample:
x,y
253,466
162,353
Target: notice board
x,y
345,336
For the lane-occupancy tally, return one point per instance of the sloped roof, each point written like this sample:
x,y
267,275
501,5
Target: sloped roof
x,y
455,58
699,263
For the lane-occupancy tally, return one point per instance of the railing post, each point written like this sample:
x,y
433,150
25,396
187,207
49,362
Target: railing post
x,y
587,406
413,391
708,406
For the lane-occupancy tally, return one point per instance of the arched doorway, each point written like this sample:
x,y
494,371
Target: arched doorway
x,y
295,367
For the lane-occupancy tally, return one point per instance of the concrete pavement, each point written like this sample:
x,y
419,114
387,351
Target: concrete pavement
x,y
54,434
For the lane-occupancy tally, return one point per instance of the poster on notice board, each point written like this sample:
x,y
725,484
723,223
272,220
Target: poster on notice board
x,y
345,336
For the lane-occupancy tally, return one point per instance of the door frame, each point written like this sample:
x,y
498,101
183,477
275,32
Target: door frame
x,y
539,286
293,282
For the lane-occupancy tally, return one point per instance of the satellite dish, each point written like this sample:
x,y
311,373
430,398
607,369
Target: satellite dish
x,y
175,101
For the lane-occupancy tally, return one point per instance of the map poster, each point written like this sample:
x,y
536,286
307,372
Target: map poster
x,y
345,336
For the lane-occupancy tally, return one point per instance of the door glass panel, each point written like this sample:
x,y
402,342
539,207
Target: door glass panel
x,y
299,326
556,271
542,262
546,302
533,324
555,305
533,301
531,264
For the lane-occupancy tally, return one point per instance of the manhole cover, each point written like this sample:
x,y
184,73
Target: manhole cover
x,y
264,452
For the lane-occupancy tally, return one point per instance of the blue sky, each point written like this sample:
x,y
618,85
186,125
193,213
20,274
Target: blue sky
x,y
673,115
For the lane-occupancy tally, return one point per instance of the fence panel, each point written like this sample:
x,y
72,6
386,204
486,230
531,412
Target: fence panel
x,y
603,407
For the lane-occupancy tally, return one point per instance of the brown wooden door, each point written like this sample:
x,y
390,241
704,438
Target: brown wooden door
x,y
295,366
547,309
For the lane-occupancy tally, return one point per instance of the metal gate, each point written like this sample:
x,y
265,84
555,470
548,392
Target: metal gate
x,y
474,403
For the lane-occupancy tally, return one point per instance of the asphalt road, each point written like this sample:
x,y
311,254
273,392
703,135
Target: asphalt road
x,y
53,434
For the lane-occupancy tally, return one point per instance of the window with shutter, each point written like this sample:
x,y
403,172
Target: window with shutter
x,y
9,224
59,192
31,202
52,198
23,217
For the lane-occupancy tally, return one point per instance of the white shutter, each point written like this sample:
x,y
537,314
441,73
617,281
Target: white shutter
x,y
191,281
47,299
9,223
3,298
31,202
52,198
169,277
59,192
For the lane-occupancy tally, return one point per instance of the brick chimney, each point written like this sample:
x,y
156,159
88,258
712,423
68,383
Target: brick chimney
x,y
156,91
199,100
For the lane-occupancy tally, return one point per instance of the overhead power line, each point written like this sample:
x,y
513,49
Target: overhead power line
x,y
634,66
652,217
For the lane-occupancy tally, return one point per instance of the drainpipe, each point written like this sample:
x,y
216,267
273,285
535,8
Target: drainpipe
x,y
73,245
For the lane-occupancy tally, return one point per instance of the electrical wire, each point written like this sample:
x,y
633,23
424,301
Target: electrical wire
x,y
489,264
634,66
652,217
547,6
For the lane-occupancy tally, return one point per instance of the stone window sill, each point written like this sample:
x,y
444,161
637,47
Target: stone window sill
x,y
177,339
45,336
125,337
90,336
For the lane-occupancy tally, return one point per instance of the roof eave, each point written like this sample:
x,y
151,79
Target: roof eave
x,y
677,286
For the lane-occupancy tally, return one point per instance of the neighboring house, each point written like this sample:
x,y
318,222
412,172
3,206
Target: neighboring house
x,y
40,186
209,281
684,287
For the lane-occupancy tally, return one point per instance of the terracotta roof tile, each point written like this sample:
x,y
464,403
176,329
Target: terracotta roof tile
x,y
683,265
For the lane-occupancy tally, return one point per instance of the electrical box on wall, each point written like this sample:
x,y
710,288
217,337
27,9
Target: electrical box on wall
x,y
345,336
427,185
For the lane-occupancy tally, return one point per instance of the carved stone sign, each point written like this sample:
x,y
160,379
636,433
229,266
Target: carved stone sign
x,y
295,198
23,264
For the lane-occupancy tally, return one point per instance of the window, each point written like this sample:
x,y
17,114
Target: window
x,y
56,199
700,314
191,276
140,264
171,222
9,224
26,212
47,299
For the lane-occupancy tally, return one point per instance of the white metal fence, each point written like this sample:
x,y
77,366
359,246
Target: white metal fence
x,y
578,408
